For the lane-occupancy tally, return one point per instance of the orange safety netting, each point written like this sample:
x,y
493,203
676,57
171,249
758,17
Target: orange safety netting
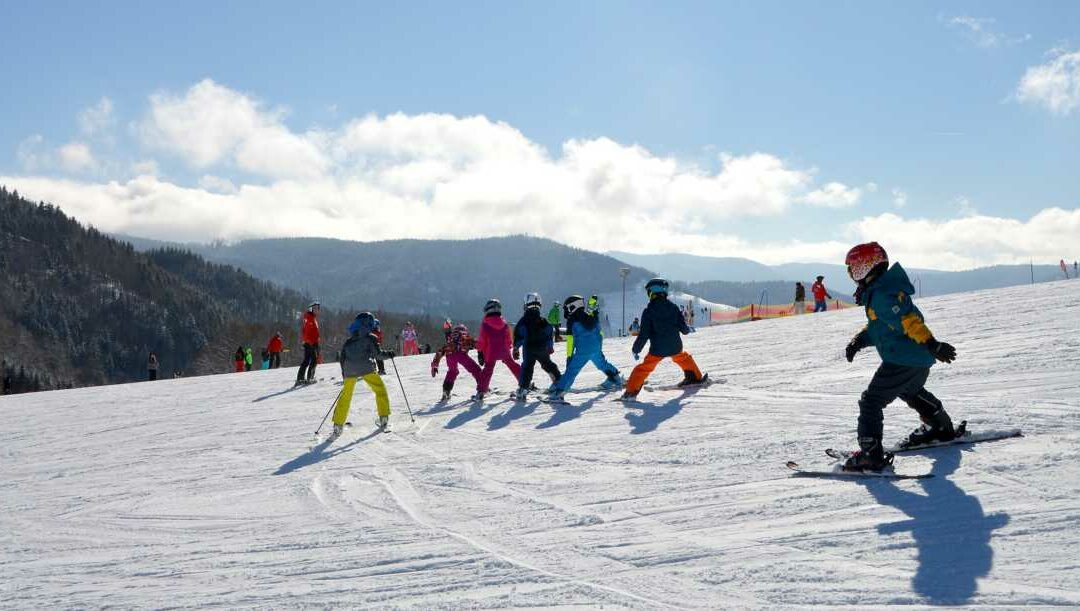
x,y
758,312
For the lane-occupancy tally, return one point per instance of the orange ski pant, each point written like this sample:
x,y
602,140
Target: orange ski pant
x,y
642,371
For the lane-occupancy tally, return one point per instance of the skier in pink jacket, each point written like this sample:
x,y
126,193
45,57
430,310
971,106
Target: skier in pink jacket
x,y
494,345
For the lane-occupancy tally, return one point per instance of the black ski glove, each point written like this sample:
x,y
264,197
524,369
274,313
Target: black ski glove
x,y
480,358
856,344
941,351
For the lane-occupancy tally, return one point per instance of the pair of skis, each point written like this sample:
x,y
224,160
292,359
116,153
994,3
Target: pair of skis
x,y
963,437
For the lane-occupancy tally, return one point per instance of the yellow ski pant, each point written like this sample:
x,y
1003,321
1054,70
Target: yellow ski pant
x,y
375,383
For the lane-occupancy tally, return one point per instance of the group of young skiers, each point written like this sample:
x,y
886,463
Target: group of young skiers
x,y
895,327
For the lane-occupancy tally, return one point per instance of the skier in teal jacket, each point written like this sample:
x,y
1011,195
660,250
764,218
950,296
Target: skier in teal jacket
x,y
907,349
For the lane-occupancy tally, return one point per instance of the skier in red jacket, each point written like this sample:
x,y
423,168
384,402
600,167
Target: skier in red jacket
x,y
274,348
820,295
309,335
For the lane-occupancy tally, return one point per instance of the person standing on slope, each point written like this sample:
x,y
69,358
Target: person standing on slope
x,y
800,299
152,367
554,320
534,339
456,350
409,345
662,325
309,335
493,346
820,295
379,336
238,359
584,344
358,356
274,348
249,359
907,349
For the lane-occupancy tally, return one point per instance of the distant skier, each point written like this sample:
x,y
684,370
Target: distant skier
x,y
555,321
661,325
309,335
635,327
249,359
534,341
358,356
799,306
409,345
379,336
152,367
820,295
238,359
274,348
456,350
265,359
584,344
907,349
493,346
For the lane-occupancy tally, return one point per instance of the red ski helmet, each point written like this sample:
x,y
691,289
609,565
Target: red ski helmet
x,y
862,259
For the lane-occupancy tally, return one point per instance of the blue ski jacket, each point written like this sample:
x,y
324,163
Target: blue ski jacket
x,y
894,325
533,334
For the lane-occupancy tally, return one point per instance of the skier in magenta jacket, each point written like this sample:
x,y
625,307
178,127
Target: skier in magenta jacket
x,y
494,345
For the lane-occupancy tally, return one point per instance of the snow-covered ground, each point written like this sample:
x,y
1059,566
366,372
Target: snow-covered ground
x,y
203,492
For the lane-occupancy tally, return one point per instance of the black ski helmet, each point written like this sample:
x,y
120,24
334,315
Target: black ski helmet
x,y
656,286
572,304
493,305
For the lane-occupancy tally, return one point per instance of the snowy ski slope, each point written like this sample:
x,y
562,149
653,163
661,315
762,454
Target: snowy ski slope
x,y
202,493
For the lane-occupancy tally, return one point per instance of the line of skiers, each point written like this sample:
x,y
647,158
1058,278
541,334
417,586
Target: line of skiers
x,y
895,327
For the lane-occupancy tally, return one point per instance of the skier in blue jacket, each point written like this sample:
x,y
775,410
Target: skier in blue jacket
x,y
584,344
907,349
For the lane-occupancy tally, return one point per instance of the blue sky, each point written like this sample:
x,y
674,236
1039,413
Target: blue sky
x,y
950,132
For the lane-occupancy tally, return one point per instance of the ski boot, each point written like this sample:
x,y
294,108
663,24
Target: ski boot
x,y
338,430
938,427
689,379
479,396
446,388
445,396
383,422
869,457
613,382
628,396
520,394
556,394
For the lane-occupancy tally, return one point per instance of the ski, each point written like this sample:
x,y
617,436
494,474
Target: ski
x,y
554,400
837,472
964,436
705,381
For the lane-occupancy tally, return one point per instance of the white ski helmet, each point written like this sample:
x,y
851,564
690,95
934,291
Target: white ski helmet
x,y
493,305
532,300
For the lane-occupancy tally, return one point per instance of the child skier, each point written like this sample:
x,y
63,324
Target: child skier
x,y
358,357
584,344
493,346
661,325
377,330
456,350
907,350
535,336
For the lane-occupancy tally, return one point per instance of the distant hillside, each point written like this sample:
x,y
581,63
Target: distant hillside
x,y
79,308
439,278
693,269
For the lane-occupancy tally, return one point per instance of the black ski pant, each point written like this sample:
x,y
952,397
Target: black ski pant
x,y
152,374
528,365
275,360
894,382
311,357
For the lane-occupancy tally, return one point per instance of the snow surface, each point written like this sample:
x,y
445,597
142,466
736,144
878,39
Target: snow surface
x,y
203,492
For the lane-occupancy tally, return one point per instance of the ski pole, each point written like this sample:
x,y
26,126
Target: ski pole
x,y
402,389
323,421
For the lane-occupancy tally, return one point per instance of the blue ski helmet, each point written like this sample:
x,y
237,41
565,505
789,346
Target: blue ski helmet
x,y
364,323
656,286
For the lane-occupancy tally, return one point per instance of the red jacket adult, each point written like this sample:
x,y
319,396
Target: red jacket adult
x,y
310,332
820,294
275,344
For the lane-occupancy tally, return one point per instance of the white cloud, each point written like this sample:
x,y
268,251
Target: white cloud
x,y
835,195
211,124
1054,85
216,184
965,206
975,240
76,157
147,167
899,197
981,32
97,119
31,154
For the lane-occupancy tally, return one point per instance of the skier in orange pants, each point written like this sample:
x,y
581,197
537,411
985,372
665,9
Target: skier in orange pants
x,y
662,323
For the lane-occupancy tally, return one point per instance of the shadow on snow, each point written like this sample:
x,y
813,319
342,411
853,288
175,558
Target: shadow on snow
x,y
319,453
652,415
566,412
950,531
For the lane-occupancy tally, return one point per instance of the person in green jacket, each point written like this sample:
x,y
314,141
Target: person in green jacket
x,y
248,359
554,317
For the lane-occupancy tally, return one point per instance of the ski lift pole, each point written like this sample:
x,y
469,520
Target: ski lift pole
x,y
403,394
